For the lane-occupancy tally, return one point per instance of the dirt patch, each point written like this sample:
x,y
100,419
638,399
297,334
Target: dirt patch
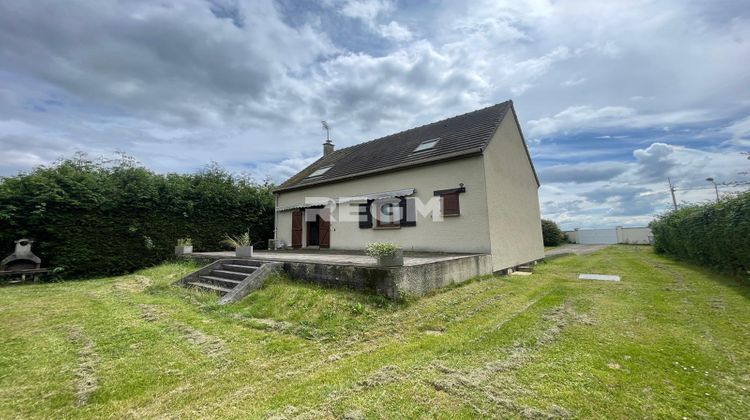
x,y
210,346
133,284
383,376
283,327
678,280
149,313
88,359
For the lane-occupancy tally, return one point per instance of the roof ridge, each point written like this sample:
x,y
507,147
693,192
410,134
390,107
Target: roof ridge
x,y
432,123
464,134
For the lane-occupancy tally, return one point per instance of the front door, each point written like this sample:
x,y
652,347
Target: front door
x,y
297,229
313,231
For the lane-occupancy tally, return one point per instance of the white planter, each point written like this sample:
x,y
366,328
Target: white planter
x,y
244,251
182,250
393,260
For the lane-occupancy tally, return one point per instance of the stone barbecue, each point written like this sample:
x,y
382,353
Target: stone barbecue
x,y
22,262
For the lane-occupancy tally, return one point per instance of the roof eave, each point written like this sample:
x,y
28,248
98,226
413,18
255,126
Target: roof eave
x,y
393,168
526,147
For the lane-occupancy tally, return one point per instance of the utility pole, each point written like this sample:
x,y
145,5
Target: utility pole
x,y
716,187
671,190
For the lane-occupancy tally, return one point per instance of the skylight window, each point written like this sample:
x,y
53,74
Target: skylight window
x,y
320,171
426,145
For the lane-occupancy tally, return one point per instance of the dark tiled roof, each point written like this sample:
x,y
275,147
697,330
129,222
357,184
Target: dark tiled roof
x,y
459,136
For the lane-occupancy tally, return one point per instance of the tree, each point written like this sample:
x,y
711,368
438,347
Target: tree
x,y
551,233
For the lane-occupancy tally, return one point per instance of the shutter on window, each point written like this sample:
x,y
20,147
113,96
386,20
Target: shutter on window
x,y
365,217
451,206
408,212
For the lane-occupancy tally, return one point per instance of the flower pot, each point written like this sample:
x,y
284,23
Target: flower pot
x,y
392,260
182,250
244,251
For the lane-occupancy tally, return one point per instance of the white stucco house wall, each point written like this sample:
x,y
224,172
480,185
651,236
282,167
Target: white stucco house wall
x,y
465,184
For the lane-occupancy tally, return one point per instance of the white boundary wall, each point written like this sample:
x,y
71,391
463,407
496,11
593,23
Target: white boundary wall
x,y
617,235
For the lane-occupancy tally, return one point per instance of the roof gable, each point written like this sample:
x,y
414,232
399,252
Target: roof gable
x,y
459,136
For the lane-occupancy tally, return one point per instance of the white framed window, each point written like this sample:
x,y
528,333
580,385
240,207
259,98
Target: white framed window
x,y
389,214
319,171
427,145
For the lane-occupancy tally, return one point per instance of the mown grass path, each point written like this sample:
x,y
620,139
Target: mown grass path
x,y
670,340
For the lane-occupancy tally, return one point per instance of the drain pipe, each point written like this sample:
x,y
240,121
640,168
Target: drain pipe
x,y
275,217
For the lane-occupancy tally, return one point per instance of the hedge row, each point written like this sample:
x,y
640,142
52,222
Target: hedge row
x,y
90,218
551,233
716,235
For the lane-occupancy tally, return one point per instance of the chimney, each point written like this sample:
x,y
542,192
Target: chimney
x,y
327,148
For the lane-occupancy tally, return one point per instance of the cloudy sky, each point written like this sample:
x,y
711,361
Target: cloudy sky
x,y
613,97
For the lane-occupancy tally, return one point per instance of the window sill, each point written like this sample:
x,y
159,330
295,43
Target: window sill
x,y
451,215
386,227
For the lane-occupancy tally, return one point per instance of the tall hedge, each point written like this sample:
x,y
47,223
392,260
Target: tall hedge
x,y
551,233
716,234
92,218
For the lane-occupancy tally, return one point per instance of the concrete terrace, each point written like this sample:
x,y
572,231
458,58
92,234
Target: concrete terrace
x,y
335,257
421,272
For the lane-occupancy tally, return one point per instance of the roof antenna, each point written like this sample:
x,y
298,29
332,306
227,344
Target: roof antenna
x,y
328,131
327,146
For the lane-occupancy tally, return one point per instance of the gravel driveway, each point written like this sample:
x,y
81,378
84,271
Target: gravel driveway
x,y
577,249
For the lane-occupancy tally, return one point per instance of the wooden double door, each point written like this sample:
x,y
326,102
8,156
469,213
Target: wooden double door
x,y
317,225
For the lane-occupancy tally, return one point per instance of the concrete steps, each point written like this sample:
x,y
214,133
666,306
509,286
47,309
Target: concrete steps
x,y
525,268
232,279
212,287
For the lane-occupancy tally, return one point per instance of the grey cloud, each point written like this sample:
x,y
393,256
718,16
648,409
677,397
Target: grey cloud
x,y
655,162
582,173
168,60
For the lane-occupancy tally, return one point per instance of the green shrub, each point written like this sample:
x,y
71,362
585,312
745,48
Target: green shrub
x,y
92,218
715,234
551,233
381,249
237,241
184,242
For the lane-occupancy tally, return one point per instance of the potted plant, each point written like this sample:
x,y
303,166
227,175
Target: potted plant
x,y
388,254
242,244
184,246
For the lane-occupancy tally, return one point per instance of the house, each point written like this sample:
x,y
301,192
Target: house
x,y
465,184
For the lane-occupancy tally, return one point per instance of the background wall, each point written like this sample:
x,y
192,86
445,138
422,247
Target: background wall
x,y
617,235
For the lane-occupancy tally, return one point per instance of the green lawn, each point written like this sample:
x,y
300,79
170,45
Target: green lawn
x,y
670,340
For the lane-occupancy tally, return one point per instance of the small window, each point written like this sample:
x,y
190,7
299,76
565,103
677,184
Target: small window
x,y
426,145
320,171
449,201
389,214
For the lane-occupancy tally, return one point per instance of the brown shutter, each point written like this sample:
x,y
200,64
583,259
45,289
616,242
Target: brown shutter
x,y
297,229
450,204
324,230
365,216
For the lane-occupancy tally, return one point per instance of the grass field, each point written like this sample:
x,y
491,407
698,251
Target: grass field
x,y
670,340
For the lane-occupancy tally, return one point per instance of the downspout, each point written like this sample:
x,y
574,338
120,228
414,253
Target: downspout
x,y
275,216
